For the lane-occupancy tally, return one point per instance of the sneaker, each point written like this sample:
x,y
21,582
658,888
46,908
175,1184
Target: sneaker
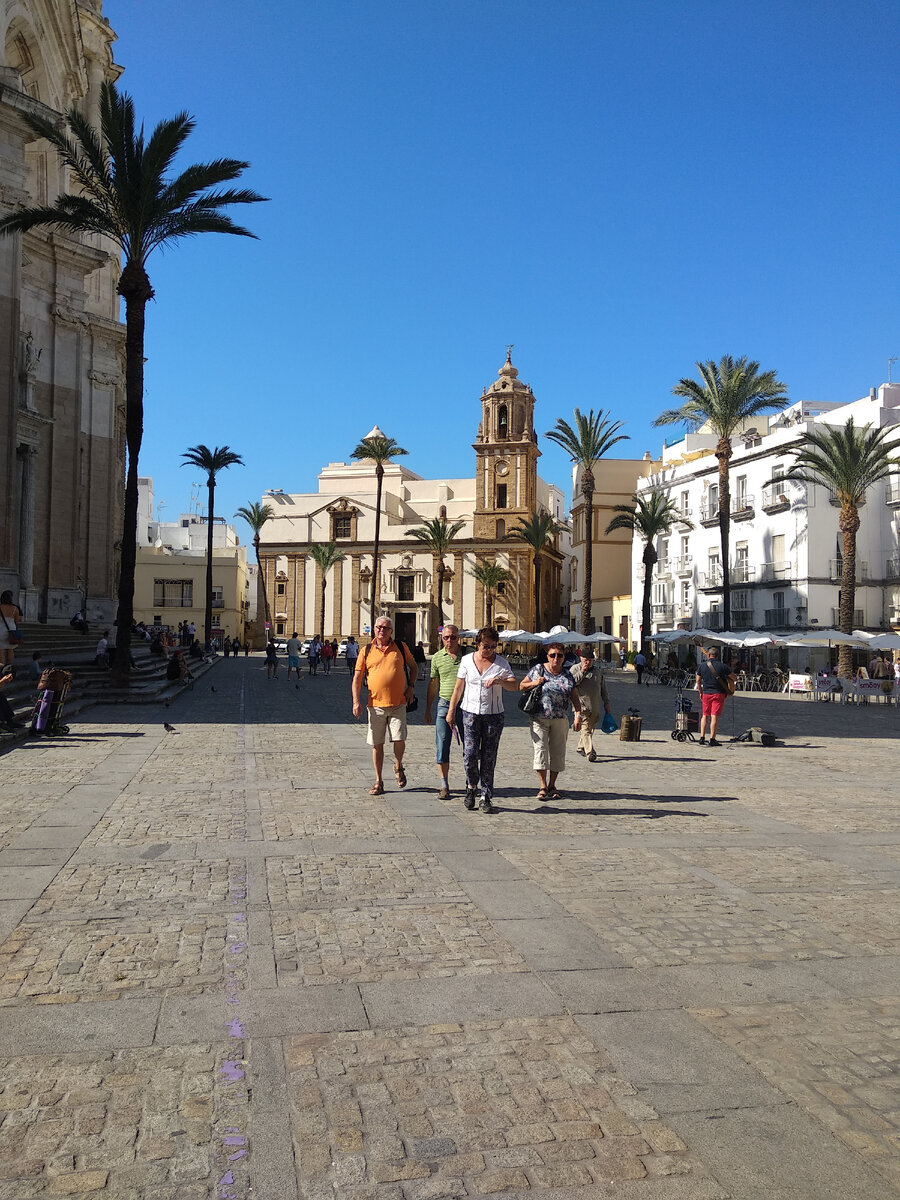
x,y
486,806
713,742
701,741
469,798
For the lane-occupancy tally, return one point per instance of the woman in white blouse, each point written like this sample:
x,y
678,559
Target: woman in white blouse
x,y
481,681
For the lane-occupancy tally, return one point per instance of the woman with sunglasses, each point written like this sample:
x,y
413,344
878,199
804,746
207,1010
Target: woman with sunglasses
x,y
550,725
481,681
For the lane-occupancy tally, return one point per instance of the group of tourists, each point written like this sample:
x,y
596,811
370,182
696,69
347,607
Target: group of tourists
x,y
468,691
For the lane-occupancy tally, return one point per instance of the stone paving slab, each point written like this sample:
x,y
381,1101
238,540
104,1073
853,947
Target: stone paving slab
x,y
410,996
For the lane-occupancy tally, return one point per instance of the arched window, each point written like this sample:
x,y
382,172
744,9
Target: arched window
x,y
502,422
501,530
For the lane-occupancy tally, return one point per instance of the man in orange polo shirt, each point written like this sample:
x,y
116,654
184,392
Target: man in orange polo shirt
x,y
384,665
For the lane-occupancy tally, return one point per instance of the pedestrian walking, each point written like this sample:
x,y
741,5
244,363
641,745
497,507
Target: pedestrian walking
x,y
594,697
390,672
444,673
550,724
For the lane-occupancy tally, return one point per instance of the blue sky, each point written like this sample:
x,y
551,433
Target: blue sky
x,y
618,189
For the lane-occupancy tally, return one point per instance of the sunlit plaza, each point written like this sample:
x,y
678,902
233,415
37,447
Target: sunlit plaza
x,y
226,970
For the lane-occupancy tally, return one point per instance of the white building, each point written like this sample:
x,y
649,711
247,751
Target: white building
x,y
786,546
187,535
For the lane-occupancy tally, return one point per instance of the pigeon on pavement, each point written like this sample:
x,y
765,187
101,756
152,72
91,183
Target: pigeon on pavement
x,y
169,728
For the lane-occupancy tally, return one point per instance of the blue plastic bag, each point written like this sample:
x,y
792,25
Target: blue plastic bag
x,y
609,723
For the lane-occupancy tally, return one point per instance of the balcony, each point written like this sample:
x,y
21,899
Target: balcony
x,y
741,618
663,612
835,500
709,513
711,619
683,565
775,572
892,494
684,516
742,507
859,618
664,568
777,618
892,568
742,572
774,499
836,567
708,581
684,612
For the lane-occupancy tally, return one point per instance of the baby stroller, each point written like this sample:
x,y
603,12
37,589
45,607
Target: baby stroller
x,y
687,722
53,688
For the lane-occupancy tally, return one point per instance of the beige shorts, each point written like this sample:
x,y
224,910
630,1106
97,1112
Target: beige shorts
x,y
387,724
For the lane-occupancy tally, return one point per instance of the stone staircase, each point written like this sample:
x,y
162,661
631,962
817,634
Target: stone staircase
x,y
62,646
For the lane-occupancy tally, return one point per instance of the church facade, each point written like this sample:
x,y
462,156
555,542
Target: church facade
x,y
62,345
505,490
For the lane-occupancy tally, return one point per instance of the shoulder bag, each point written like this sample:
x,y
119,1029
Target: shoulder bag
x,y
530,700
16,637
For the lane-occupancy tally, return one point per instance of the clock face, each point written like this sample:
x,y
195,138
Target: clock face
x,y
502,468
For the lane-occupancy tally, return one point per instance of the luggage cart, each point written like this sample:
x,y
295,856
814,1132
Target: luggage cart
x,y
53,688
687,721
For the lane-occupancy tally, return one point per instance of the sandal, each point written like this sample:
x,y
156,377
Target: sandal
x,y
543,794
555,795
401,775
377,789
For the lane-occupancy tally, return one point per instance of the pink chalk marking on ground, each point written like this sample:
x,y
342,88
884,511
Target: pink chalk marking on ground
x,y
232,1071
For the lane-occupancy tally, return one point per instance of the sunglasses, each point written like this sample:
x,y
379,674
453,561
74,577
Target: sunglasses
x,y
554,655
485,646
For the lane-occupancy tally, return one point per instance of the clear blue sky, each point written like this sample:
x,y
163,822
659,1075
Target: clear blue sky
x,y
617,189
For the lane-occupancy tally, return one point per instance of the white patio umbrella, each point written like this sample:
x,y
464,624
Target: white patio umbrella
x,y
880,641
825,637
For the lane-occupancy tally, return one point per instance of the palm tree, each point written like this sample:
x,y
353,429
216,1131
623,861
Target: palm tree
x,y
438,535
730,392
490,575
849,461
124,192
256,515
325,557
212,462
586,444
648,517
380,449
538,532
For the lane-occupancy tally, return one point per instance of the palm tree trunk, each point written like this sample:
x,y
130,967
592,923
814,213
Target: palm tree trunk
x,y
263,582
135,305
537,593
379,475
207,612
849,524
725,532
322,623
489,606
650,556
587,618
440,602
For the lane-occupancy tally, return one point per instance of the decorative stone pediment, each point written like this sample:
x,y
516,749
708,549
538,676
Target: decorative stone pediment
x,y
343,507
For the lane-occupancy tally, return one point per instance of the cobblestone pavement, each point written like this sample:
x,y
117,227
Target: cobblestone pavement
x,y
227,971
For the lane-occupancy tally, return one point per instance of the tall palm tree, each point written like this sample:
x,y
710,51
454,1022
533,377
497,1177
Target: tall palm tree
x,y
124,191
212,462
537,531
849,461
490,575
325,557
256,515
648,517
438,534
380,449
729,393
586,443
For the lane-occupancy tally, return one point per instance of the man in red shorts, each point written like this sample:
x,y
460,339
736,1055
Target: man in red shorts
x,y
712,674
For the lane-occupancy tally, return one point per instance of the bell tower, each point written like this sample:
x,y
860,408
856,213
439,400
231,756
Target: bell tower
x,y
506,455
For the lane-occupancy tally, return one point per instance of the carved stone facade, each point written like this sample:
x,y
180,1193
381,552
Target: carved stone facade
x,y
61,350
506,487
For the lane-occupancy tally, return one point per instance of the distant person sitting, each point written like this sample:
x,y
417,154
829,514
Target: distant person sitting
x,y
177,668
35,670
101,657
196,650
78,622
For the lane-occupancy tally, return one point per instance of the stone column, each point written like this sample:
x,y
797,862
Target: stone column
x,y
459,576
337,604
301,595
26,455
354,595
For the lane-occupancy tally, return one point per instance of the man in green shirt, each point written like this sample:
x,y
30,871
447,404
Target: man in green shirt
x,y
444,669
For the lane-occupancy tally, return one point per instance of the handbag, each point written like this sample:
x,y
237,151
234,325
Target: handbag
x,y
530,701
609,724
